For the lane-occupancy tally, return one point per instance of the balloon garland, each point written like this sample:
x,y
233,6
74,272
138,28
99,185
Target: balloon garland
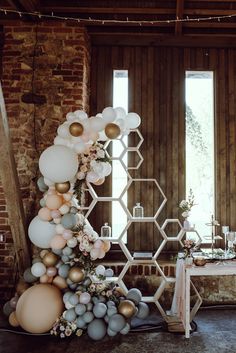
x,y
64,291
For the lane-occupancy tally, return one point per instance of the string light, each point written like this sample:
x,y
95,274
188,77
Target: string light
x,y
104,21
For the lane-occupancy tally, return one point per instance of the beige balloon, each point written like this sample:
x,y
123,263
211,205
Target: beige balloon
x,y
39,307
60,282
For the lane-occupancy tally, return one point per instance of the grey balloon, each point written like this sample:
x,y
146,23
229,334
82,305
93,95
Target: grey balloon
x,y
143,310
126,329
135,295
102,299
74,299
111,333
110,303
95,300
99,310
67,251
7,309
29,277
87,281
89,306
64,270
65,258
111,311
42,202
80,323
97,329
106,318
68,220
80,309
117,322
41,184
70,315
57,251
66,296
73,286
36,259
88,317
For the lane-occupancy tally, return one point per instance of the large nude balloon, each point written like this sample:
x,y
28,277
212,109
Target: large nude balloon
x,y
39,307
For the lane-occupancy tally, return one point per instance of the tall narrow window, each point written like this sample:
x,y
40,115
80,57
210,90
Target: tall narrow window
x,y
119,176
200,170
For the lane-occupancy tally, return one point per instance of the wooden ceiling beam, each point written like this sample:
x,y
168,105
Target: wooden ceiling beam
x,y
24,6
108,10
179,15
147,39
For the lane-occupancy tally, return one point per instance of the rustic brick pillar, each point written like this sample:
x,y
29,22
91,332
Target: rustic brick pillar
x,y
45,75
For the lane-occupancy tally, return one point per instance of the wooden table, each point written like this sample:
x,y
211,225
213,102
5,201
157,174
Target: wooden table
x,y
211,269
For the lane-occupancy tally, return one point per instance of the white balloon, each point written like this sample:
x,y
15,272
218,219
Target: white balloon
x,y
92,177
58,163
38,269
60,141
121,124
75,139
41,232
97,124
80,147
59,229
70,117
102,136
86,124
72,242
133,120
106,168
63,131
100,270
109,114
48,182
120,113
81,114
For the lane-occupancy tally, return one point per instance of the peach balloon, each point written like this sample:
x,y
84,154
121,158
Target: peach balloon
x,y
45,214
44,279
51,271
57,220
101,254
53,202
58,242
13,320
39,307
99,181
67,234
106,246
43,253
60,282
55,214
98,244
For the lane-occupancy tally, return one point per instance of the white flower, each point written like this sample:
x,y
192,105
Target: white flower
x,y
185,214
100,154
183,204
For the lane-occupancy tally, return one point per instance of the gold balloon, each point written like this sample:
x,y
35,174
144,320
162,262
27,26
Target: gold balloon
x,y
50,259
112,131
127,308
76,129
62,188
21,287
13,320
76,274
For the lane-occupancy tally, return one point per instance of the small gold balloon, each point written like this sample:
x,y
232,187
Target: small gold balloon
x,y
127,308
13,320
21,287
112,131
76,129
76,274
62,188
50,259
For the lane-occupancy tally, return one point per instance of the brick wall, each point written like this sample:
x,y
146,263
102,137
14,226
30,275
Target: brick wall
x,y
45,75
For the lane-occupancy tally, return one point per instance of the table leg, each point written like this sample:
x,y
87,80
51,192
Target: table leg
x,y
187,304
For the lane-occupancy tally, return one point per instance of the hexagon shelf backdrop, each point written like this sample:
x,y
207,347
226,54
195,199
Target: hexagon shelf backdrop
x,y
118,238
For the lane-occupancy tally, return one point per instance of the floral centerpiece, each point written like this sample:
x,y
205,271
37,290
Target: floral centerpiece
x,y
189,246
186,206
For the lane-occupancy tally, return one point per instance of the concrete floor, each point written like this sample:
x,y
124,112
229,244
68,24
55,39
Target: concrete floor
x,y
216,333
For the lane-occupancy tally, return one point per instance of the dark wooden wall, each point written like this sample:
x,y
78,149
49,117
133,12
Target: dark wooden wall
x,y
156,92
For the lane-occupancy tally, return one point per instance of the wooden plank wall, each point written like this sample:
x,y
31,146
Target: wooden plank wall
x,y
156,92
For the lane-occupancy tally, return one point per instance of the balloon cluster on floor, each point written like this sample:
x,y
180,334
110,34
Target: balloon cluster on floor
x,y
64,291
